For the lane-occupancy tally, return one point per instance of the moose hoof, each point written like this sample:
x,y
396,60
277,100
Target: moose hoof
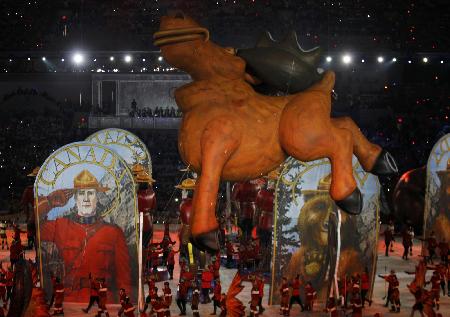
x,y
352,204
208,241
385,164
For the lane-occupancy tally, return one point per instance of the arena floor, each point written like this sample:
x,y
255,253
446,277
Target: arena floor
x,y
384,265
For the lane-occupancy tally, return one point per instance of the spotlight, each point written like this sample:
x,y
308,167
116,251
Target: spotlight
x,y
78,58
143,59
394,59
160,58
127,58
409,62
442,62
329,59
425,60
363,61
347,59
43,58
29,59
380,59
111,58
62,59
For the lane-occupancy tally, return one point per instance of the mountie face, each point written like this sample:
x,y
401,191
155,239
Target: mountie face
x,y
185,45
86,201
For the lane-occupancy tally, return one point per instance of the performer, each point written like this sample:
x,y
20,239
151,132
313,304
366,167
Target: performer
x,y
254,300
103,296
3,236
217,295
295,297
260,282
9,282
59,297
195,301
3,288
388,237
207,278
395,295
311,294
284,290
223,305
164,245
182,296
230,252
365,285
159,307
15,252
95,245
331,307
171,261
390,279
435,288
146,201
122,298
417,291
356,305
167,298
94,298
408,235
128,308
154,258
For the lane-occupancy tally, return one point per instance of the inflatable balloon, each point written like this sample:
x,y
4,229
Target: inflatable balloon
x,y
231,132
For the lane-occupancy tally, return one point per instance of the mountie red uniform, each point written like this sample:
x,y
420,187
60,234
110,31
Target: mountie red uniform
x,y
146,203
103,296
331,307
97,247
254,301
59,297
435,288
128,309
284,291
167,298
159,307
356,307
310,293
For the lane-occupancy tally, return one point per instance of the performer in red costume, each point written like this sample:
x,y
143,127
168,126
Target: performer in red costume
x,y
284,292
167,298
85,242
59,297
146,203
244,196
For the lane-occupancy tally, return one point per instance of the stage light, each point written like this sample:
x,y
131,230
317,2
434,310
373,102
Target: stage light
x,y
329,59
160,58
394,59
11,60
442,62
143,59
409,62
111,58
78,58
346,59
29,59
363,61
127,58
380,59
43,58
62,59
425,60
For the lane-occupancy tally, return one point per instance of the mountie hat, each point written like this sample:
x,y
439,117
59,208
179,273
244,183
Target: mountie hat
x,y
144,177
188,183
136,169
323,188
86,180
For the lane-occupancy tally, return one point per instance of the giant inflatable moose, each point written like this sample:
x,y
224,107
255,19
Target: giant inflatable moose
x,y
231,132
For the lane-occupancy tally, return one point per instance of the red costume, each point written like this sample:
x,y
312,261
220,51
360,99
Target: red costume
x,y
331,307
310,294
264,202
356,307
435,288
159,308
167,298
103,296
146,204
97,247
129,309
284,291
59,297
254,301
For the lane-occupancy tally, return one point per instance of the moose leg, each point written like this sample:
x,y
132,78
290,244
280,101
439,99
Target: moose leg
x,y
218,143
371,156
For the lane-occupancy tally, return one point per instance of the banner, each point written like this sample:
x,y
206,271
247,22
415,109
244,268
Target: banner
x,y
437,196
87,221
312,237
126,144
